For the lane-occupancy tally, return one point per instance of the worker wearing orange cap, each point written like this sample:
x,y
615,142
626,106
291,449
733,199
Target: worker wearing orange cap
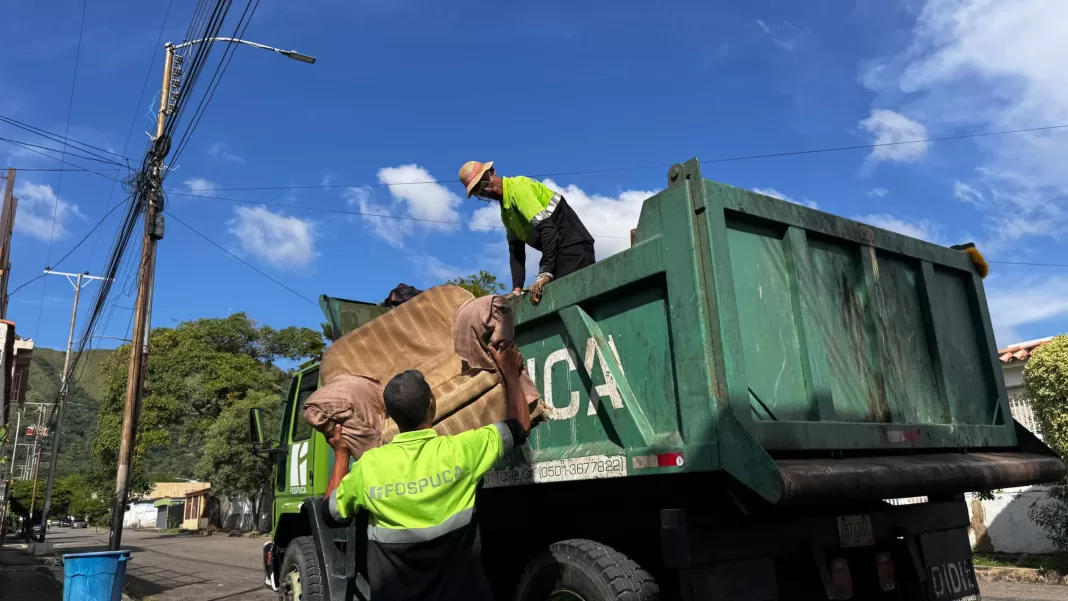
x,y
535,215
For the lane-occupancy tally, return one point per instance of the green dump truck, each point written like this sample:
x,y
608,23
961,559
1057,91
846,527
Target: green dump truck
x,y
737,399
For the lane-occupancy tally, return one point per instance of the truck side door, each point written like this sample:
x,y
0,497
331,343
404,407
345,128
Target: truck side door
x,y
294,477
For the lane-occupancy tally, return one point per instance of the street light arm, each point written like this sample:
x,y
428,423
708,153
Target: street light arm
x,y
289,53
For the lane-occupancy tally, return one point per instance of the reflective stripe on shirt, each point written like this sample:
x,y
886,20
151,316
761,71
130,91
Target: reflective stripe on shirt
x,y
547,212
418,535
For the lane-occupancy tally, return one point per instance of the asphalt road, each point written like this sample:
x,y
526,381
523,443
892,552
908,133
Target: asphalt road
x,y
219,568
180,568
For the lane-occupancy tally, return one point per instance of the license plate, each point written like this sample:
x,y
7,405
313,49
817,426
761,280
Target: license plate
x,y
855,531
947,557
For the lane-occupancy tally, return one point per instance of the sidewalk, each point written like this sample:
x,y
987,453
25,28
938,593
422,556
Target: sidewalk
x,y
27,577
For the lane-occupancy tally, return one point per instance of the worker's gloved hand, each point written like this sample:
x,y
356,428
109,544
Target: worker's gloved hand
x,y
539,283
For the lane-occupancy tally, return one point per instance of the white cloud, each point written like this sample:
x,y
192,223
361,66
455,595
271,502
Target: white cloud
x,y
200,186
1016,302
772,192
924,229
39,208
436,270
878,192
220,151
608,218
416,201
784,35
433,202
889,127
283,241
966,193
979,65
378,217
487,218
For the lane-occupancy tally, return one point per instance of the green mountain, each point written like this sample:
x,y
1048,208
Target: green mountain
x,y
83,402
79,429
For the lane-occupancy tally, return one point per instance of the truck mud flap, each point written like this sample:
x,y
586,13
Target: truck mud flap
x,y
935,474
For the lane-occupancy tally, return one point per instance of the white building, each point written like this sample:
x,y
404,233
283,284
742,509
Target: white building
x,y
1003,524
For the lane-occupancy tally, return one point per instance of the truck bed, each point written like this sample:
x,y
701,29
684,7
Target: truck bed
x,y
741,332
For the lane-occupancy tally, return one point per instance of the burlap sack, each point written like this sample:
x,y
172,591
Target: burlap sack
x,y
419,334
355,403
483,323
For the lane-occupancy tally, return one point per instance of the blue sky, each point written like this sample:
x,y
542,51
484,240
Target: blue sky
x,y
409,91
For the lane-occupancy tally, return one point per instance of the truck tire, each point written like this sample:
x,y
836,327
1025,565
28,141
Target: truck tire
x,y
302,578
584,570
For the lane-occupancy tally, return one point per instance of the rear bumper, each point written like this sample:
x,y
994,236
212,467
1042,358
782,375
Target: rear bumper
x,y
937,474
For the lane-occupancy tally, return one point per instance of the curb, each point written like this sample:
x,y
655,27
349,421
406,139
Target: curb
x,y
1024,575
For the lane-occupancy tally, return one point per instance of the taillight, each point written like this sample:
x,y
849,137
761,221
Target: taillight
x,y
670,460
884,567
841,581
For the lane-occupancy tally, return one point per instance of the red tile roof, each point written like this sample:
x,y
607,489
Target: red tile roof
x,y
1021,351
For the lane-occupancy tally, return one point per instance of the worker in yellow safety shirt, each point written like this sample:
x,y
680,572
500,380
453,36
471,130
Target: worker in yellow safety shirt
x,y
535,215
422,536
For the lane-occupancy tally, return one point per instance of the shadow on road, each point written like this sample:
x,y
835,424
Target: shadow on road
x,y
146,580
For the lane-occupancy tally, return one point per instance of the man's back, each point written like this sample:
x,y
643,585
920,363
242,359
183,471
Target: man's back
x,y
420,489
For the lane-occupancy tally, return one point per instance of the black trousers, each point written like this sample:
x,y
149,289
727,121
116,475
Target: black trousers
x,y
574,257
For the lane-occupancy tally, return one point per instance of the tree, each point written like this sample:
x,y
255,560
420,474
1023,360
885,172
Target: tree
x,y
229,465
482,283
1046,378
196,371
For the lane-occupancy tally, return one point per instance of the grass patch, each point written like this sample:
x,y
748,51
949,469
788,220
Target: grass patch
x,y
1056,562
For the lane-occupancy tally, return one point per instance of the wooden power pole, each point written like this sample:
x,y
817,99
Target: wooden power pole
x,y
7,223
153,199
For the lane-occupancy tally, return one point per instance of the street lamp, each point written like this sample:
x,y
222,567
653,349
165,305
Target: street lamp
x,y
293,54
172,78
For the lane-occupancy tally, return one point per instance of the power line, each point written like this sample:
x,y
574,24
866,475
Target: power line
x,y
361,213
244,262
76,166
882,144
69,252
59,185
137,111
58,138
27,146
664,166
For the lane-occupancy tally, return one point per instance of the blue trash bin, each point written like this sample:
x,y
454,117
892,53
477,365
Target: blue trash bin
x,y
94,576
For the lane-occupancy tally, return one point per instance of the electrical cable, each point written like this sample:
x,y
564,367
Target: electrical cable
x,y
664,166
361,213
224,64
137,111
76,167
27,146
59,185
243,262
58,138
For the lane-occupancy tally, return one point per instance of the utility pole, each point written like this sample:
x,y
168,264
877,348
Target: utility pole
x,y
152,195
78,280
7,222
35,462
143,307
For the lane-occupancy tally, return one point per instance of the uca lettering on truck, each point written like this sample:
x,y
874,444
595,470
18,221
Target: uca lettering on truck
x,y
732,399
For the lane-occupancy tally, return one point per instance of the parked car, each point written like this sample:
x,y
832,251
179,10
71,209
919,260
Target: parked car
x,y
64,523
35,529
79,523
